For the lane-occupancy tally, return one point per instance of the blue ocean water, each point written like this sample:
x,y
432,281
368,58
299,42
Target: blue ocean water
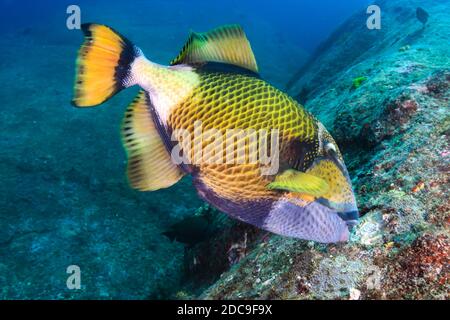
x,y
64,196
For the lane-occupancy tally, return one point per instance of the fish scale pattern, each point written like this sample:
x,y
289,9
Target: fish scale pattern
x,y
232,101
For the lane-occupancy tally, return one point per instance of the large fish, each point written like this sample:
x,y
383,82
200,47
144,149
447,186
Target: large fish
x,y
214,82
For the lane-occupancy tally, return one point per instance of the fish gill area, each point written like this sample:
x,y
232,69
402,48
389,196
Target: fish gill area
x,y
384,95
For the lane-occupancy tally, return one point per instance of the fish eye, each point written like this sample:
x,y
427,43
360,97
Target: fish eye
x,y
329,148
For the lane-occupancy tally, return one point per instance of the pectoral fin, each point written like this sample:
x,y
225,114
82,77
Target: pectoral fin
x,y
149,163
296,181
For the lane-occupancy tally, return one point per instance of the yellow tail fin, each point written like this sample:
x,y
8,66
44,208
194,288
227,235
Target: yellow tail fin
x,y
103,65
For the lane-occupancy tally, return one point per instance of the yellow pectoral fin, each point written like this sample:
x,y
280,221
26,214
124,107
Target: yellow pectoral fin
x,y
296,181
149,164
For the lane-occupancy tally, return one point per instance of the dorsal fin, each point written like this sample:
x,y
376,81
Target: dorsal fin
x,y
226,44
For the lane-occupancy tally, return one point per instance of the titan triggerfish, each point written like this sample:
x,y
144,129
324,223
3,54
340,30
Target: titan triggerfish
x,y
208,104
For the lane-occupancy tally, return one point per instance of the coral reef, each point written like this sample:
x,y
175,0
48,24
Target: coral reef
x,y
419,271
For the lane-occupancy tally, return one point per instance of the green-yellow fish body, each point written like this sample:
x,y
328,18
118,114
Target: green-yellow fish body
x,y
253,152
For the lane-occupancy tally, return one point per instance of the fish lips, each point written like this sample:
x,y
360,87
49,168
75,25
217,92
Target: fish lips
x,y
348,212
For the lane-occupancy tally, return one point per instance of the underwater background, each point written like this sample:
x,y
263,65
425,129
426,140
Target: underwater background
x,y
64,198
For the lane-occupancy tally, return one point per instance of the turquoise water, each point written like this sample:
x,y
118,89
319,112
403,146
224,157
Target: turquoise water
x,y
64,196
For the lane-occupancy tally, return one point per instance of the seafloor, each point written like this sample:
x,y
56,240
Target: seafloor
x,y
383,94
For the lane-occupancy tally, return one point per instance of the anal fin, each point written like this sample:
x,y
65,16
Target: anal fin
x,y
149,164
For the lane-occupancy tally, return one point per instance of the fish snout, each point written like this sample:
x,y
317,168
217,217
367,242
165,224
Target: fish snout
x,y
345,235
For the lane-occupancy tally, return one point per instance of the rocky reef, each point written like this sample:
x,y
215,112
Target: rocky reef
x,y
393,128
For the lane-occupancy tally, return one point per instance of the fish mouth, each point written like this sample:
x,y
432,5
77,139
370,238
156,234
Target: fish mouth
x,y
350,218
